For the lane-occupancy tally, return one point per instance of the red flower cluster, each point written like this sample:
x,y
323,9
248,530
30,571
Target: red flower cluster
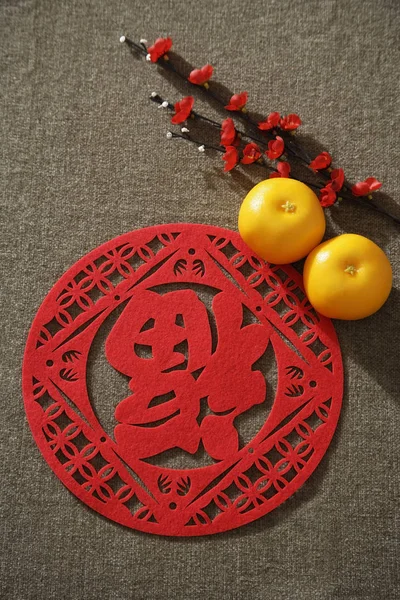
x,y
274,120
231,158
364,188
201,76
183,109
251,153
290,122
238,101
270,122
275,148
160,47
283,170
320,162
337,179
328,194
228,133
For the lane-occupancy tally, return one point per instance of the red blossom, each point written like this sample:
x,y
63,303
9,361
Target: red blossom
x,y
270,122
364,188
337,177
251,153
275,148
327,196
322,161
183,108
283,170
228,132
201,76
290,122
159,48
230,157
237,102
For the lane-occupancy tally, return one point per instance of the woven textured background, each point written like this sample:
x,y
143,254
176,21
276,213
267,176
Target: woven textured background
x,y
84,158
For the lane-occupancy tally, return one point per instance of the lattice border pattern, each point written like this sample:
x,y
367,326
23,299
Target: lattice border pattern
x,y
264,473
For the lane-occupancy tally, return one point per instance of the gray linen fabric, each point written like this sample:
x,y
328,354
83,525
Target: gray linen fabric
x,y
84,158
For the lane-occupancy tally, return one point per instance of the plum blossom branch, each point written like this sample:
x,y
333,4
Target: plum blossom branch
x,y
272,137
283,169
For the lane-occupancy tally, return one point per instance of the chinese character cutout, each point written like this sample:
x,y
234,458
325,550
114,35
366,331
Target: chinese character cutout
x,y
167,389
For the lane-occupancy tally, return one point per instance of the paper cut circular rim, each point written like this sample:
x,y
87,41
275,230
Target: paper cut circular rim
x,y
183,502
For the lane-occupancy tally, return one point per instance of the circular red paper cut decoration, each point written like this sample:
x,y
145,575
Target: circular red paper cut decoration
x,y
194,314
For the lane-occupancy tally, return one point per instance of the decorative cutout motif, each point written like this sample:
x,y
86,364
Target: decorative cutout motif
x,y
163,411
193,371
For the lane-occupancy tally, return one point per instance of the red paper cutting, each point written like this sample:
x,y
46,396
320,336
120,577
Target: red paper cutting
x,y
180,356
